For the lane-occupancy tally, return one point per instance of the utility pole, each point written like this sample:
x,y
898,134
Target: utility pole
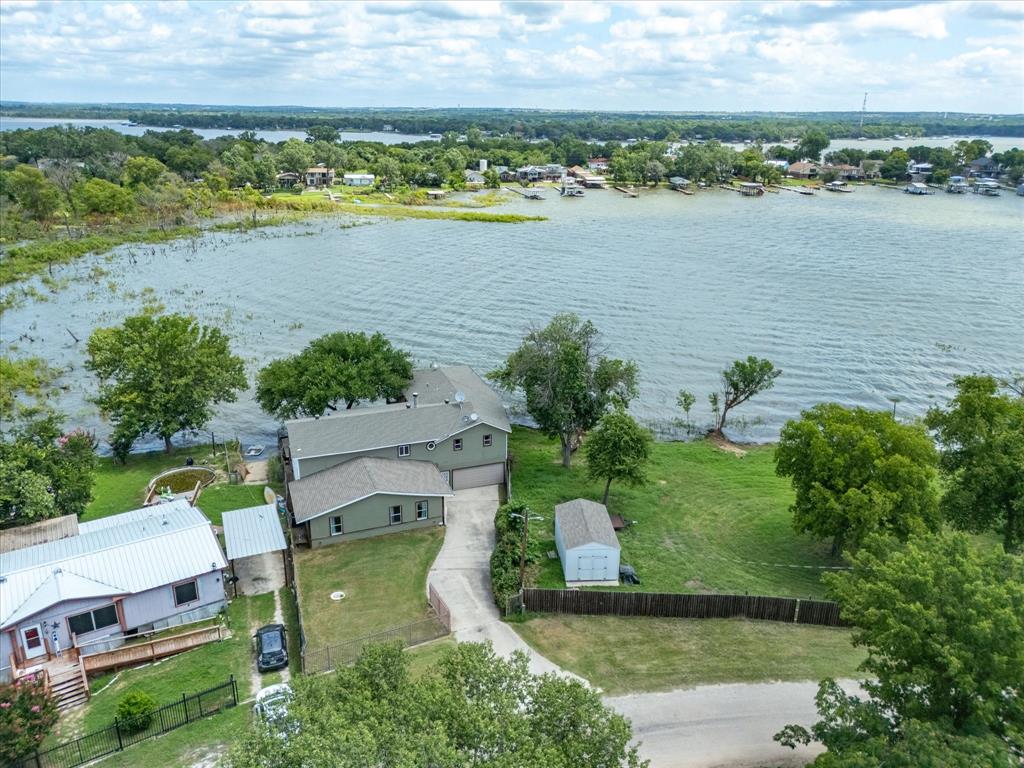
x,y
526,518
863,109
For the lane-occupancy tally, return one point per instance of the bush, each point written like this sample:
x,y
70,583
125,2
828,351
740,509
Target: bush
x,y
505,558
135,711
27,713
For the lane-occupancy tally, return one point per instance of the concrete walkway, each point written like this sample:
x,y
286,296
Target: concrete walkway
x,y
711,726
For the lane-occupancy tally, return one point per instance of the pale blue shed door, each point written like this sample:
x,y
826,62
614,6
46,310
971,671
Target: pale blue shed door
x,y
591,567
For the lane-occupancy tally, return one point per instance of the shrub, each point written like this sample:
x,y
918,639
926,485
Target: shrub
x,y
505,558
135,711
27,713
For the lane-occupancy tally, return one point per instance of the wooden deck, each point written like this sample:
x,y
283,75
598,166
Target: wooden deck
x,y
141,653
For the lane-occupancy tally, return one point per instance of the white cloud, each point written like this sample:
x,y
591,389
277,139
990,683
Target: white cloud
x,y
924,21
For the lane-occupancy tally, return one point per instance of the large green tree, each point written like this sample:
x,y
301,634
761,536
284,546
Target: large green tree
x,y
161,374
30,188
812,144
339,368
618,448
942,619
740,382
982,436
857,472
568,383
43,472
472,708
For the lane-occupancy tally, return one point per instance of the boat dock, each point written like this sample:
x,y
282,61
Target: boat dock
x,y
627,191
798,190
530,194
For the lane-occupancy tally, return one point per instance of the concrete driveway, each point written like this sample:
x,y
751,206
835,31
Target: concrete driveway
x,y
461,576
711,726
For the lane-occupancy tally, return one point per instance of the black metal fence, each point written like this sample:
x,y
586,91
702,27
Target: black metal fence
x,y
123,734
681,606
330,657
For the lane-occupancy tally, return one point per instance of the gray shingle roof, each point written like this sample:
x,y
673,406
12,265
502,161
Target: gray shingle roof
x,y
362,429
585,522
346,483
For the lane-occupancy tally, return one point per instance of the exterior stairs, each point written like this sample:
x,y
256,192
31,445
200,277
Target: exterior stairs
x,y
69,687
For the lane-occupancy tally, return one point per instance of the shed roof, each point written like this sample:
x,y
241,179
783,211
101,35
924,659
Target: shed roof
x,y
253,531
120,554
582,521
363,429
351,481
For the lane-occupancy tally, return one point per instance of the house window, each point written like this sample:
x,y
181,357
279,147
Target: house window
x,y
457,444
90,621
404,450
422,509
396,514
187,592
336,526
487,441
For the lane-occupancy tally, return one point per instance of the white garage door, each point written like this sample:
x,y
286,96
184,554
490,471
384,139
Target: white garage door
x,y
474,477
591,567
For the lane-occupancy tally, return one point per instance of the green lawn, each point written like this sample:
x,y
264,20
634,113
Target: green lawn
x,y
384,579
707,520
621,655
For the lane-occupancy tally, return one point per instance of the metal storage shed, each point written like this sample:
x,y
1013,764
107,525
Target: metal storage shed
x,y
586,543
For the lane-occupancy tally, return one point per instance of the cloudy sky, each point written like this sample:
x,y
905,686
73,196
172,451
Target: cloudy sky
x,y
806,55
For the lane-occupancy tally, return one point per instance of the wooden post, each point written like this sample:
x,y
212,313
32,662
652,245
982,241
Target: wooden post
x,y
85,680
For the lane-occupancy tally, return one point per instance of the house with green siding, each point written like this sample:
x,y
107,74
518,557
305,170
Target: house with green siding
x,y
448,432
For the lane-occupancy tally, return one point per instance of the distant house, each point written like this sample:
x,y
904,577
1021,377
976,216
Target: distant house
x,y
505,173
678,182
918,171
358,179
591,181
983,166
871,169
474,178
803,170
151,568
598,164
782,165
449,424
577,171
319,176
846,172
287,179
586,543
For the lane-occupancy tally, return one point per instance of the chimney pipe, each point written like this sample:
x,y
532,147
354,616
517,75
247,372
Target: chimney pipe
x,y
415,395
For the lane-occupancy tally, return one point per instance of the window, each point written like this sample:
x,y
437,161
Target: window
x,y
90,621
186,593
396,514
404,450
487,441
336,526
457,444
422,509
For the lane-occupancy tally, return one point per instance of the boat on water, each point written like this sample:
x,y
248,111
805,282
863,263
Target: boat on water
x,y
986,188
957,185
751,189
917,188
254,450
837,186
570,188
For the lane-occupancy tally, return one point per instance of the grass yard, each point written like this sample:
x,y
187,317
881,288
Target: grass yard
x,y
707,520
384,579
622,655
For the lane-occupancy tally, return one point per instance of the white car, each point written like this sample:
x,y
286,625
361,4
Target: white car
x,y
272,706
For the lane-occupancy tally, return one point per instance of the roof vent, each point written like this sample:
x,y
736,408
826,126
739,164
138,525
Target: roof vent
x,y
474,416
415,397
57,571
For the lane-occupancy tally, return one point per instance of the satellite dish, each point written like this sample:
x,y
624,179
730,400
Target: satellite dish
x,y
268,495
474,416
460,396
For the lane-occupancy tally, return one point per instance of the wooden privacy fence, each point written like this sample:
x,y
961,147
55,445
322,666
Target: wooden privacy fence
x,y
440,607
140,653
681,606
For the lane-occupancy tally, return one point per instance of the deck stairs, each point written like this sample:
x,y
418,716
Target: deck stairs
x,y
69,687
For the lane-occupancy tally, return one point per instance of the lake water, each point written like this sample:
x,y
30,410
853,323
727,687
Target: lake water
x,y
16,123
859,297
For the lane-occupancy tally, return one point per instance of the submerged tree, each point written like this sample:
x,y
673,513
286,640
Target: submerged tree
x,y
336,369
740,382
618,448
161,374
568,383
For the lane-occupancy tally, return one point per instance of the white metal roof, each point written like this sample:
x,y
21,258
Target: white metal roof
x,y
253,531
120,554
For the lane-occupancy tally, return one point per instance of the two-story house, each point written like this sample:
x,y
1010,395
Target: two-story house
x,y
384,468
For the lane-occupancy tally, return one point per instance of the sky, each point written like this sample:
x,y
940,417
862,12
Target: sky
x,y
806,55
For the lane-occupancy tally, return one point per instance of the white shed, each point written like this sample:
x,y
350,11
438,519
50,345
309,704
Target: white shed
x,y
586,543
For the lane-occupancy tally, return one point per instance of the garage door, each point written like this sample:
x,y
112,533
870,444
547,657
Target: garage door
x,y
591,567
474,477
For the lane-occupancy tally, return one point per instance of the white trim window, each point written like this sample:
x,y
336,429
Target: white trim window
x,y
186,592
395,514
336,525
457,444
488,441
404,451
422,509
90,621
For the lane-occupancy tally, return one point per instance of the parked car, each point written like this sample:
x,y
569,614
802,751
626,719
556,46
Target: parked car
x,y
272,706
271,647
